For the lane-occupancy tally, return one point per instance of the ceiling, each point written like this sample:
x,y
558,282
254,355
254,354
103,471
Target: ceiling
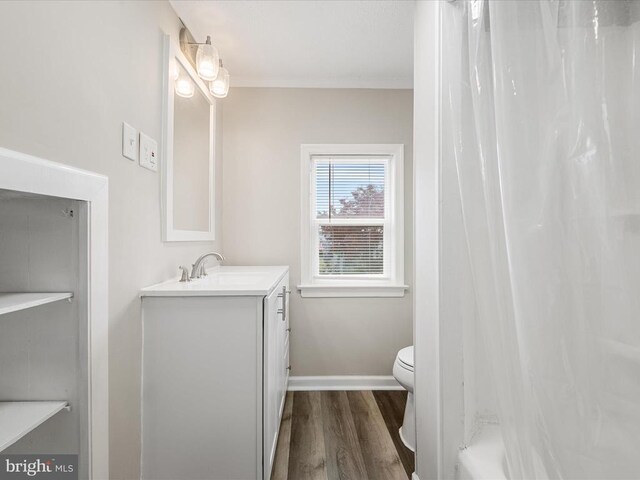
x,y
308,43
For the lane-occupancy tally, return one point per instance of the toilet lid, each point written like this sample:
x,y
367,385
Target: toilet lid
x,y
406,356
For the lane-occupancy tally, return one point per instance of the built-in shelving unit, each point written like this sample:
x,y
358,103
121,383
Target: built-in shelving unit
x,y
19,418
13,302
54,343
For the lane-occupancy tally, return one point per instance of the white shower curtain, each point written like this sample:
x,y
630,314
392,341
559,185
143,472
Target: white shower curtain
x,y
548,159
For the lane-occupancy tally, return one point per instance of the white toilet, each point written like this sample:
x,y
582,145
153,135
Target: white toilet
x,y
403,372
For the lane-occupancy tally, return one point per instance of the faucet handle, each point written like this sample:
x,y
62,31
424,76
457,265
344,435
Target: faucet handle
x,y
185,274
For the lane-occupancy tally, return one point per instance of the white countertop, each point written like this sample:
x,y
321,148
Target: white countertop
x,y
222,281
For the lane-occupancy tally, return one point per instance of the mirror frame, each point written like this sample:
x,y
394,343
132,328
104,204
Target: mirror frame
x,y
169,233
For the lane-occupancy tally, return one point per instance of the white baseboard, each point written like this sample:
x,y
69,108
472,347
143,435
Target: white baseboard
x,y
414,476
344,382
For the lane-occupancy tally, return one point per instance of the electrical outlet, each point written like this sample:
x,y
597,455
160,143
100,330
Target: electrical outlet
x,y
148,152
129,142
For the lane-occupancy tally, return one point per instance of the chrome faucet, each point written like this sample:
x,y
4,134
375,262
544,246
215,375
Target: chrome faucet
x,y
185,274
198,268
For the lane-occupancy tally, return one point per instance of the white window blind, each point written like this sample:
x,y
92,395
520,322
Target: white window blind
x,y
351,216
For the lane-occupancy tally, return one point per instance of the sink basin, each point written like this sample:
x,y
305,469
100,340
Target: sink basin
x,y
231,278
221,281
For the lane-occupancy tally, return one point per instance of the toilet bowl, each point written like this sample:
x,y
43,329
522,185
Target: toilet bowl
x,y
403,373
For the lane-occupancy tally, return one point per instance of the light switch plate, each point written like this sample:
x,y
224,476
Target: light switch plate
x,y
129,142
148,152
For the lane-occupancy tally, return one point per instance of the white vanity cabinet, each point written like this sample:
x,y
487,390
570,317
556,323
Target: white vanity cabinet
x,y
215,373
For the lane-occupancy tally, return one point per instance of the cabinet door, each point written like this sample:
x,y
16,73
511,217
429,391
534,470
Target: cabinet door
x,y
283,348
269,381
275,370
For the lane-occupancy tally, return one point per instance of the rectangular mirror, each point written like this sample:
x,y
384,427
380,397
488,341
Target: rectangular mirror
x,y
189,151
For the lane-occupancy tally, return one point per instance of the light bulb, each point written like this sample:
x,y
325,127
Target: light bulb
x,y
220,86
174,70
185,87
207,61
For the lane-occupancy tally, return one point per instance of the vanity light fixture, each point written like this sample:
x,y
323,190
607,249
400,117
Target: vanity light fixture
x,y
207,60
184,86
220,86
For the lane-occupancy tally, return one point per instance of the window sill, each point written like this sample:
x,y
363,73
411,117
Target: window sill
x,y
352,291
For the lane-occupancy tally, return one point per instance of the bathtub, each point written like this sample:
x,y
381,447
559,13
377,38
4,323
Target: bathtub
x,y
484,458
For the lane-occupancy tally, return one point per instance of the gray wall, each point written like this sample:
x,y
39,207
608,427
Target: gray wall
x,y
71,73
263,129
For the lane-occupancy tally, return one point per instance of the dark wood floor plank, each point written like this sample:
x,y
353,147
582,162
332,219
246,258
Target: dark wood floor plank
x,y
342,436
281,460
306,451
391,405
342,447
378,450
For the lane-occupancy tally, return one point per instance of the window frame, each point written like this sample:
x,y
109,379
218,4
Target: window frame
x,y
391,282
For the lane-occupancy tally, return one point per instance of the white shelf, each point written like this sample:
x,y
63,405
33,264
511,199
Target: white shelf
x,y
19,418
12,302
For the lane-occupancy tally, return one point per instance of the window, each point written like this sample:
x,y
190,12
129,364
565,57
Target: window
x,y
352,221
